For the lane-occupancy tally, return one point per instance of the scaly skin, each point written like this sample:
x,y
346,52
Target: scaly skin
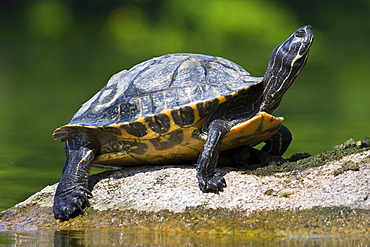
x,y
209,181
71,196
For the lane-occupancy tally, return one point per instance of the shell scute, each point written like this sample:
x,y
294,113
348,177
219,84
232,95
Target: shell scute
x,y
154,111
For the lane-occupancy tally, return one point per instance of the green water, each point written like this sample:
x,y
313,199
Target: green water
x,y
121,238
55,55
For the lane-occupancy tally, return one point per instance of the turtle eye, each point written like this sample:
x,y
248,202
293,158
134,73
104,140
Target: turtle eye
x,y
301,33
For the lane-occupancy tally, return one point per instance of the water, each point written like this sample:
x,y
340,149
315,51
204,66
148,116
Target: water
x,y
104,237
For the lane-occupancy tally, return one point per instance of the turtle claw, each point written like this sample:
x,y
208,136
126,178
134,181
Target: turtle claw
x,y
213,184
68,204
88,193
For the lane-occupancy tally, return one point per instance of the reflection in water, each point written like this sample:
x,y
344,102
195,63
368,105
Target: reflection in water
x,y
105,237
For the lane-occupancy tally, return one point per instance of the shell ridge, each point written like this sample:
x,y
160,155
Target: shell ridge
x,y
133,95
175,73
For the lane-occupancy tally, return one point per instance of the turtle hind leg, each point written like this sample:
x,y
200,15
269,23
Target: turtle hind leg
x,y
278,143
71,196
209,181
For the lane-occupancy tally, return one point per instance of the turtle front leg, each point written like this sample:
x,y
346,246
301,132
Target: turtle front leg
x,y
209,181
278,143
71,196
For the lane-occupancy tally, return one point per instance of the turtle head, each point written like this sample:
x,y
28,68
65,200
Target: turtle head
x,y
286,62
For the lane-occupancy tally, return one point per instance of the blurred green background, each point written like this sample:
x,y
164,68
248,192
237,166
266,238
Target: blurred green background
x,y
54,55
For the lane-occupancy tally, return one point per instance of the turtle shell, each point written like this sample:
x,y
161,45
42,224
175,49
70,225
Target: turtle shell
x,y
154,112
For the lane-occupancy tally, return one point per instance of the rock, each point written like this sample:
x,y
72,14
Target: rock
x,y
168,198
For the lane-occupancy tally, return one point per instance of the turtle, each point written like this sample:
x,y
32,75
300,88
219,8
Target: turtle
x,y
177,108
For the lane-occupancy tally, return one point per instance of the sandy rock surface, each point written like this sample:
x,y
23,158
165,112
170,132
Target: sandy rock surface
x,y
317,195
176,188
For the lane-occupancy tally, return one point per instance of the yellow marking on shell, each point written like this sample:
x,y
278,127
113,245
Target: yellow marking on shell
x,y
256,130
173,126
252,132
198,122
189,149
